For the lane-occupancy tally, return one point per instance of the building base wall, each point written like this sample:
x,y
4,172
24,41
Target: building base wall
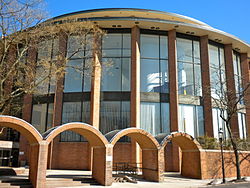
x,y
211,164
70,155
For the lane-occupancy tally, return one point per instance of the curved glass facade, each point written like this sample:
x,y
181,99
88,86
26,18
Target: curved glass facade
x,y
155,89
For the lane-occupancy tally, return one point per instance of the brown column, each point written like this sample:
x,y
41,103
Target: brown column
x,y
95,91
231,92
102,164
58,98
173,81
27,108
38,164
206,91
173,96
245,67
152,168
135,90
96,84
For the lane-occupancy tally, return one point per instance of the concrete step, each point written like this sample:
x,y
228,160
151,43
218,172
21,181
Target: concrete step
x,y
8,185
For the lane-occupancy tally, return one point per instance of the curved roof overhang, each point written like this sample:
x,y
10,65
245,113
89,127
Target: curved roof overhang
x,y
148,19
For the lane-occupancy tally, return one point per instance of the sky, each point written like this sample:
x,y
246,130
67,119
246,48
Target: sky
x,y
231,16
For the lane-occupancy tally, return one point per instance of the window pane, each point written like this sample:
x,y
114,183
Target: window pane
x,y
71,113
75,47
165,118
125,74
150,77
114,115
150,117
164,76
186,119
73,76
197,80
149,45
50,115
164,47
39,117
111,75
185,78
126,45
196,51
86,112
44,50
112,40
184,50
214,56
42,80
88,65
200,121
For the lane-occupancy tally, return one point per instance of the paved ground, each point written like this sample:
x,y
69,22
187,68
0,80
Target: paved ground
x,y
171,180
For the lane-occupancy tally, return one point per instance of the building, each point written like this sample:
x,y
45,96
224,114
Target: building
x,y
162,66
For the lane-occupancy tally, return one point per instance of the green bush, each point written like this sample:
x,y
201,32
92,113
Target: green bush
x,y
212,143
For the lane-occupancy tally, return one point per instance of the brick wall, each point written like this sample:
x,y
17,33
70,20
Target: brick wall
x,y
211,164
70,155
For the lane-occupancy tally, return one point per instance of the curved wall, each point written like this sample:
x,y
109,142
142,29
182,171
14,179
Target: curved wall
x,y
155,78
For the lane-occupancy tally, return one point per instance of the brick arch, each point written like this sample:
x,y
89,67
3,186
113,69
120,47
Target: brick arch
x,y
25,128
94,136
151,169
183,140
142,137
191,159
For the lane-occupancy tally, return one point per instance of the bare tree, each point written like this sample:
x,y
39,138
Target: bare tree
x,y
24,32
229,102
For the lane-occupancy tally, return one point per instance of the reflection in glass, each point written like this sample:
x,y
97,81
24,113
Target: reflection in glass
x,y
42,116
114,115
74,112
191,120
189,70
217,71
154,64
155,117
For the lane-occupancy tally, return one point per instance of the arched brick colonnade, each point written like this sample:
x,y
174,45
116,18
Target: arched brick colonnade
x,y
36,173
102,150
191,159
152,150
151,169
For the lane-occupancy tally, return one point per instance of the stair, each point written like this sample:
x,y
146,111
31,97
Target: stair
x,y
14,182
69,182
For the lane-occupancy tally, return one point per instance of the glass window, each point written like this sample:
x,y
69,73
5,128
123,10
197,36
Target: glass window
x,y
74,112
242,125
74,76
42,116
184,50
150,75
218,122
150,46
114,115
191,120
237,74
154,64
217,71
116,49
189,70
155,117
47,51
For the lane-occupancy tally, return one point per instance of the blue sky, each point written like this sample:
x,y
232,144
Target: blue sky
x,y
231,16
